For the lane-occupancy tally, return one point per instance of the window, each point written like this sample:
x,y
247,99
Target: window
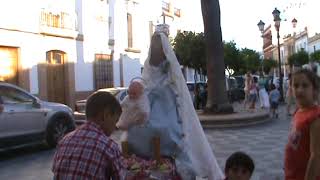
x,y
13,96
55,57
177,12
57,20
165,6
103,71
129,21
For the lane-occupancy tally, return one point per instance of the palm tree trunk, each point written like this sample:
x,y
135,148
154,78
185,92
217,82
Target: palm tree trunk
x,y
217,95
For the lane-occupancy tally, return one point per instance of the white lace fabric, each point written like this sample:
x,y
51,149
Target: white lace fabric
x,y
195,142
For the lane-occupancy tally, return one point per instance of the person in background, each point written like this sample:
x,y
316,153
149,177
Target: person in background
x,y
204,96
88,152
247,85
1,105
253,93
289,95
239,166
263,95
197,97
274,100
302,152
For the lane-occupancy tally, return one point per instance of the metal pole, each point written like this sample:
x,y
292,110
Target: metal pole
x,y
280,76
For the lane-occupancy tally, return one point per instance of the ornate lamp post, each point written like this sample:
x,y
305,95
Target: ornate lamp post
x,y
294,22
261,26
277,20
261,29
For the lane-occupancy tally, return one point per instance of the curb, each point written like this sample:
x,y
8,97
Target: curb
x,y
215,121
234,120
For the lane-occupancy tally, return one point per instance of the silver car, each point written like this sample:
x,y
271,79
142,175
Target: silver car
x,y
25,119
118,92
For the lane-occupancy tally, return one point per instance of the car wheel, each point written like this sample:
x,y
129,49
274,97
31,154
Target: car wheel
x,y
58,127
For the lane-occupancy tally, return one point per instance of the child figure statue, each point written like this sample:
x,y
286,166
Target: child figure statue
x,y
135,106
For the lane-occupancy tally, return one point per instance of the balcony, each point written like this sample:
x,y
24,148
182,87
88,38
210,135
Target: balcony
x,y
60,24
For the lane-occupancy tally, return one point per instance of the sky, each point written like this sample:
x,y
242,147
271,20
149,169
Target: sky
x,y
239,18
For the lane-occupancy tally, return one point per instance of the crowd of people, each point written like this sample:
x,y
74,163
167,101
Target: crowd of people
x,y
264,90
90,153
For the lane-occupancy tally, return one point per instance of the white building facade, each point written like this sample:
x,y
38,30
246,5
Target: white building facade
x,y
314,43
64,50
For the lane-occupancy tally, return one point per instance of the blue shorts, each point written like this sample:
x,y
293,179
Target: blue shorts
x,y
274,105
252,97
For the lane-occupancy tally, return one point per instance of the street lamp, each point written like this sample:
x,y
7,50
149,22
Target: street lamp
x,y
277,20
261,26
294,22
261,29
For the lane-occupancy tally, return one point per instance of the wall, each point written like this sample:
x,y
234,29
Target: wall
x,y
314,43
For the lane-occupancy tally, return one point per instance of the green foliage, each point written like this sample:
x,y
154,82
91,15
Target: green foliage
x,y
232,57
298,59
190,50
251,60
268,64
315,56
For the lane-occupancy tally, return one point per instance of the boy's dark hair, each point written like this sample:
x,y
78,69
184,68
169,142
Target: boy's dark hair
x,y
273,86
100,101
239,159
255,79
311,76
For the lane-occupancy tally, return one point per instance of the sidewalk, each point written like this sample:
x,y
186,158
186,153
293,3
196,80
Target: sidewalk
x,y
240,117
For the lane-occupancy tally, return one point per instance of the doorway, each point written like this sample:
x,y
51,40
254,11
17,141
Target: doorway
x,y
56,76
9,64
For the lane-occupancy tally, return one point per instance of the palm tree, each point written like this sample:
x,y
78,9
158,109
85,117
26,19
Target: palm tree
x,y
217,95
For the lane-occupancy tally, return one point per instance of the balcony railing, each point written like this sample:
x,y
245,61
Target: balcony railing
x,y
59,24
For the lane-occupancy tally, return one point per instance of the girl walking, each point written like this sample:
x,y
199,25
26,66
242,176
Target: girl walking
x,y
302,154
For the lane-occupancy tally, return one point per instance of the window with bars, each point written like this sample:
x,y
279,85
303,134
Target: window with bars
x,y
103,71
129,21
61,20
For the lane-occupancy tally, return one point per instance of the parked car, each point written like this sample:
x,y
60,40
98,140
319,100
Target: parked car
x,y
191,86
25,119
235,90
119,92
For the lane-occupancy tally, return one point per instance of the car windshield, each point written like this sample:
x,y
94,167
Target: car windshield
x,y
232,83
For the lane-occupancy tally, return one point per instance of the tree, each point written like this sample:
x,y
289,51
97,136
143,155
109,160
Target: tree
x,y
251,59
190,50
315,56
268,64
299,59
232,58
217,95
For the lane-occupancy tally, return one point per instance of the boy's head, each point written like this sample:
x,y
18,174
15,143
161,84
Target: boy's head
x,y
135,90
273,86
239,166
103,109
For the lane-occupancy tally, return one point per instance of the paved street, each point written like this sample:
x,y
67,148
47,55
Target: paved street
x,y
264,143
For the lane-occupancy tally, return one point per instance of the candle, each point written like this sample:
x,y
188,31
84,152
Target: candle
x,y
125,148
156,148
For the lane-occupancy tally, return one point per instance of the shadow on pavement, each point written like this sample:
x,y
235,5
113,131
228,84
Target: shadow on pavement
x,y
22,151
